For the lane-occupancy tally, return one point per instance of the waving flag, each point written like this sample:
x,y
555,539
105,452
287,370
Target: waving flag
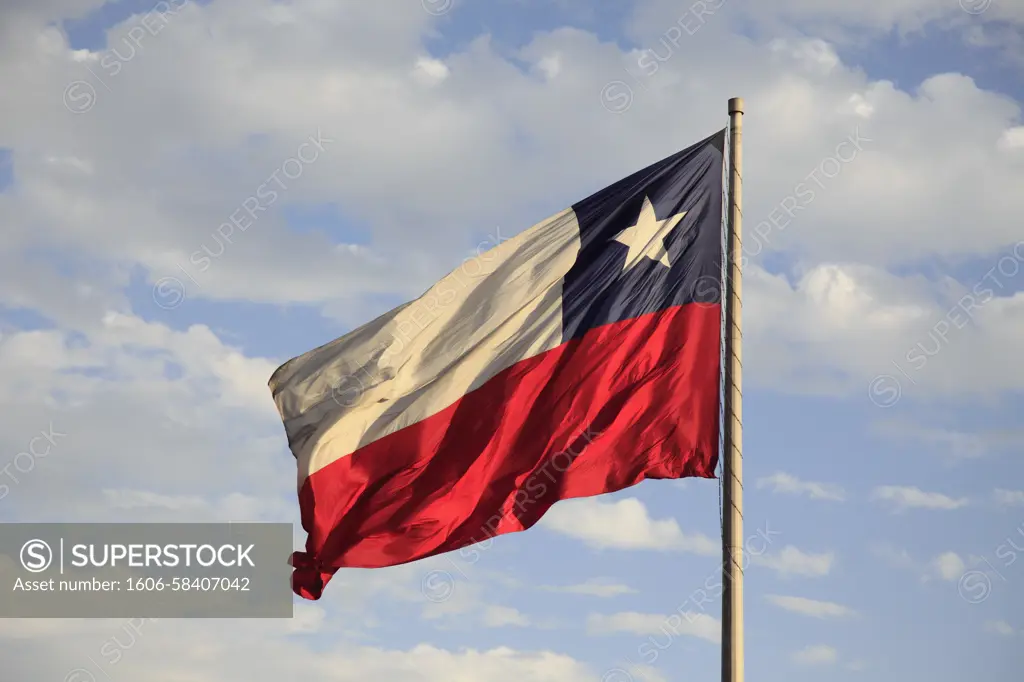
x,y
578,358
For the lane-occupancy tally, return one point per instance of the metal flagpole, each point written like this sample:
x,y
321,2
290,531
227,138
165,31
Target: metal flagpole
x,y
732,498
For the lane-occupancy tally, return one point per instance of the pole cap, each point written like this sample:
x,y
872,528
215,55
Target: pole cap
x,y
735,105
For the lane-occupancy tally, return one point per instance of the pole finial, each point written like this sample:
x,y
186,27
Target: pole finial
x,y
735,105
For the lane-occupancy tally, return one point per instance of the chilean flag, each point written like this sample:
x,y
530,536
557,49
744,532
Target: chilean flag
x,y
578,358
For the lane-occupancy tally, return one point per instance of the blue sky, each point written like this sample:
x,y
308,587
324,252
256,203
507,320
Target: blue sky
x,y
440,140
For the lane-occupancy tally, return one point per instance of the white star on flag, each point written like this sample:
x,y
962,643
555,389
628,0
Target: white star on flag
x,y
645,238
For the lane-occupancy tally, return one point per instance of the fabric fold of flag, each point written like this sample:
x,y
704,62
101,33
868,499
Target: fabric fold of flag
x,y
578,358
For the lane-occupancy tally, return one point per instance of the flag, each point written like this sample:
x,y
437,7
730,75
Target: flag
x,y
579,357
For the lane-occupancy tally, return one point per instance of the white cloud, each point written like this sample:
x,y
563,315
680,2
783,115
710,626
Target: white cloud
x,y
183,508
1008,498
853,321
502,616
689,624
645,673
306,619
431,71
897,558
1012,138
790,561
813,53
841,20
811,607
594,588
904,497
816,655
788,484
1000,627
624,524
210,652
954,445
1005,38
550,66
316,68
454,596
949,566
453,600
134,440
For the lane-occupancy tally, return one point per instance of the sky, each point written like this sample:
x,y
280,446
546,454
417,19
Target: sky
x,y
884,485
